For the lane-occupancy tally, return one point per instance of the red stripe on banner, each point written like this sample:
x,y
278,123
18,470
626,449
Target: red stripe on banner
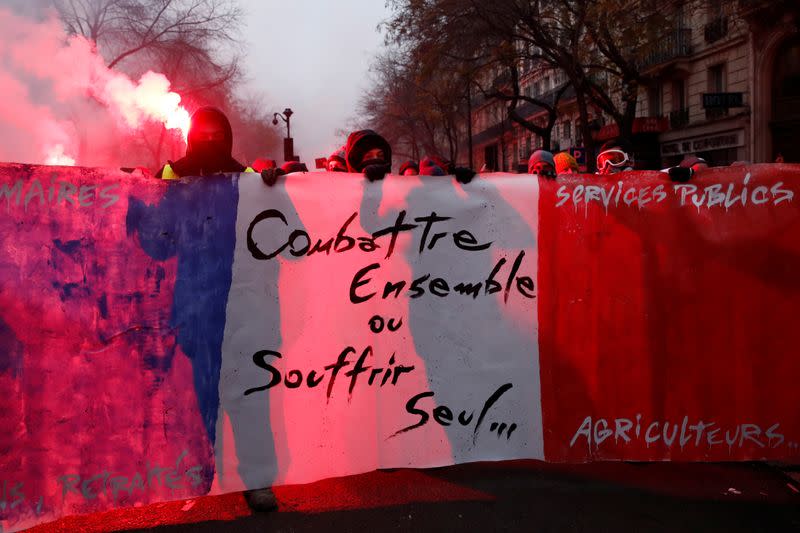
x,y
668,319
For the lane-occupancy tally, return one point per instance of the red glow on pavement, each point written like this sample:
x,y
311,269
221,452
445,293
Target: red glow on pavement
x,y
365,491
373,490
222,507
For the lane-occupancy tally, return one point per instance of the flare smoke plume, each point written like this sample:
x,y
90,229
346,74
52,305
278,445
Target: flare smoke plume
x,y
60,104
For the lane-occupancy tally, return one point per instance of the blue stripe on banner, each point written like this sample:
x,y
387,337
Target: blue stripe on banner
x,y
196,222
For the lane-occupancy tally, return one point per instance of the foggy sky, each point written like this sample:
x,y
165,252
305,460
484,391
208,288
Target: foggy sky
x,y
312,56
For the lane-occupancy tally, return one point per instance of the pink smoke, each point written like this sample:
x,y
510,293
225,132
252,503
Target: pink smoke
x,y
62,105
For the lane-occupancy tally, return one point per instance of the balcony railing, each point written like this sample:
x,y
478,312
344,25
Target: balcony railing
x,y
675,45
714,113
716,29
678,119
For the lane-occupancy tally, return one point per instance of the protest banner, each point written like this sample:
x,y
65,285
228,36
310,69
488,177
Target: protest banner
x,y
166,340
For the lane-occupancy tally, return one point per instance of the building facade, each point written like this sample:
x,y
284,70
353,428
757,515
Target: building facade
x,y
726,87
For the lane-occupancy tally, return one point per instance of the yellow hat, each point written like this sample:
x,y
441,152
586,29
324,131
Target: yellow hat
x,y
565,162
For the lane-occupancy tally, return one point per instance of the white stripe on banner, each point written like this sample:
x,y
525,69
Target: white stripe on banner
x,y
391,324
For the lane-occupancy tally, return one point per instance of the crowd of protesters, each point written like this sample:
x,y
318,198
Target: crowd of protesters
x,y
210,143
209,151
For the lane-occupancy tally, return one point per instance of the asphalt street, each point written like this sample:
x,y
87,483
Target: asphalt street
x,y
493,496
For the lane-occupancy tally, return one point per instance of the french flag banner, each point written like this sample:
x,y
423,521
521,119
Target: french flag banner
x,y
164,340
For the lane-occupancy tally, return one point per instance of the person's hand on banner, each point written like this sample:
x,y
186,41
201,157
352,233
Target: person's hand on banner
x,y
463,174
680,174
270,175
376,172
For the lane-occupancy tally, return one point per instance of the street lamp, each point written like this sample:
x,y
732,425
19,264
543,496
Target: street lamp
x,y
285,116
288,143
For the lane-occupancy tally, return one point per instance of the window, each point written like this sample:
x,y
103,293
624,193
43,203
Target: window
x,y
714,9
678,95
567,130
716,29
716,78
679,116
654,101
717,83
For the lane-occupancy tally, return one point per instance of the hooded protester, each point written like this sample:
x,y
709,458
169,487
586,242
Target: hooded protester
x,y
565,163
542,163
615,156
208,148
428,167
368,153
208,152
409,168
336,161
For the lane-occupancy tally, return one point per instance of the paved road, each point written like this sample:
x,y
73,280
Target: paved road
x,y
504,496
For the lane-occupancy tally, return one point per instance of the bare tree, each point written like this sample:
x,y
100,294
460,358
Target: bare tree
x,y
182,39
598,45
419,114
125,28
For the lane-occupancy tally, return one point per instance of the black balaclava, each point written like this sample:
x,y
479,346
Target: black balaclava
x,y
208,156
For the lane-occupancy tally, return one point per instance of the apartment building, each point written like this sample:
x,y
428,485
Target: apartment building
x,y
726,87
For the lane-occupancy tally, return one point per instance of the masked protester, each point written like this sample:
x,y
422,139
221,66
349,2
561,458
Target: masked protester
x,y
208,152
543,164
368,153
409,168
208,148
615,156
336,161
